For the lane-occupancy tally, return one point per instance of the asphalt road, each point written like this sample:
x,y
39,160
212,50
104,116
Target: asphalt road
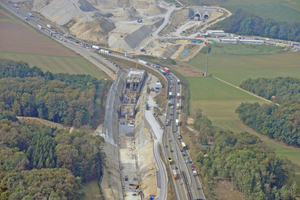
x,y
167,17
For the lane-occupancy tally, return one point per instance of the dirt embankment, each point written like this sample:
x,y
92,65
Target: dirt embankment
x,y
92,31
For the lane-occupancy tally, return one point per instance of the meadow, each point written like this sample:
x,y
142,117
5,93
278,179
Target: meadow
x,y
92,191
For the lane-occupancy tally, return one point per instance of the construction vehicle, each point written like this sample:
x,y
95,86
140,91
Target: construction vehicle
x,y
137,185
174,174
170,160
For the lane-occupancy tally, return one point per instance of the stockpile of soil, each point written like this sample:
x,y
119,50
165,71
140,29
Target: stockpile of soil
x,y
155,10
125,15
94,31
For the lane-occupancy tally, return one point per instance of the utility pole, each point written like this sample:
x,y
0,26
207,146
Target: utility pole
x,y
206,63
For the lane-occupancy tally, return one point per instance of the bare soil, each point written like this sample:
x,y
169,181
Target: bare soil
x,y
186,69
225,191
15,37
3,16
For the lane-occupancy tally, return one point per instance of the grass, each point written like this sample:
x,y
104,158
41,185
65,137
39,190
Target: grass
x,y
55,64
242,49
237,68
6,20
92,191
288,10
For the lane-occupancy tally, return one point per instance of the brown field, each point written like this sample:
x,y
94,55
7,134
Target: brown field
x,y
186,69
14,37
3,16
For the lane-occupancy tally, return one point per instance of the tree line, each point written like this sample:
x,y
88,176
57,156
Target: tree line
x,y
278,122
245,161
247,23
62,98
40,161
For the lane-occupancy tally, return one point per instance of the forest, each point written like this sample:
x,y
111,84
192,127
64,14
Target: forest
x,y
40,162
246,23
62,98
245,161
281,122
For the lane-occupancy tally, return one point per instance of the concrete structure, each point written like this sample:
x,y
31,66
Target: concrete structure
x,y
228,40
201,13
216,33
158,85
252,42
131,91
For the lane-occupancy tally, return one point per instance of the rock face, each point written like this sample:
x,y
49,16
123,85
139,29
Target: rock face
x,y
93,31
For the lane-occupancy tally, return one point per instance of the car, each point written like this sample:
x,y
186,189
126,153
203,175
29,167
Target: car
x,y
180,183
169,139
171,113
183,154
198,188
176,168
181,150
171,150
186,161
166,146
173,131
172,107
188,157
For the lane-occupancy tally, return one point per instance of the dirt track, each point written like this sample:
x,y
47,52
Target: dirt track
x,y
14,37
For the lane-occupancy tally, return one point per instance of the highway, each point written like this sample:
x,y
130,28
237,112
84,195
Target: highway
x,y
182,189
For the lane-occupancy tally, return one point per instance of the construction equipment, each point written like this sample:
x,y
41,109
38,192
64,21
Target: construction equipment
x,y
137,185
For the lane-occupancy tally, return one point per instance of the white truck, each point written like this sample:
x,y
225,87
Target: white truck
x,y
143,62
129,56
177,122
39,27
170,95
49,26
95,47
194,173
178,106
104,51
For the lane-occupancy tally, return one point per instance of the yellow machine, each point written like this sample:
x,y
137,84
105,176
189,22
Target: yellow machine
x,y
137,185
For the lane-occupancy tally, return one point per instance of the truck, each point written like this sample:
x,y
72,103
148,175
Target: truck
x,y
178,95
95,47
174,174
39,27
163,72
167,122
104,51
129,56
194,173
49,26
166,70
30,15
143,62
183,145
178,106
178,81
170,160
169,103
177,122
170,95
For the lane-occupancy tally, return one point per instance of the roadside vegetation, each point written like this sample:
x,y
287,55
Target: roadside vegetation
x,y
247,23
61,98
245,161
278,122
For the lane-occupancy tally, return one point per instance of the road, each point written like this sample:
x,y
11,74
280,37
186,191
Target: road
x,y
167,17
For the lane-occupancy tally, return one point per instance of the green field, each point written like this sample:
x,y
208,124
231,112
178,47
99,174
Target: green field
x,y
237,68
55,64
288,10
242,49
6,20
92,190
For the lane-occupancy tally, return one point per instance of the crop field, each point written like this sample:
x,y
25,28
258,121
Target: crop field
x,y
20,42
237,68
286,10
55,64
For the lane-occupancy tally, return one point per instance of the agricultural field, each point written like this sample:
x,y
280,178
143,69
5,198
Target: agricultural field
x,y
20,42
219,100
286,10
237,68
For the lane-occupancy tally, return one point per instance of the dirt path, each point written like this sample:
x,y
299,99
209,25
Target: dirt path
x,y
245,91
193,54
